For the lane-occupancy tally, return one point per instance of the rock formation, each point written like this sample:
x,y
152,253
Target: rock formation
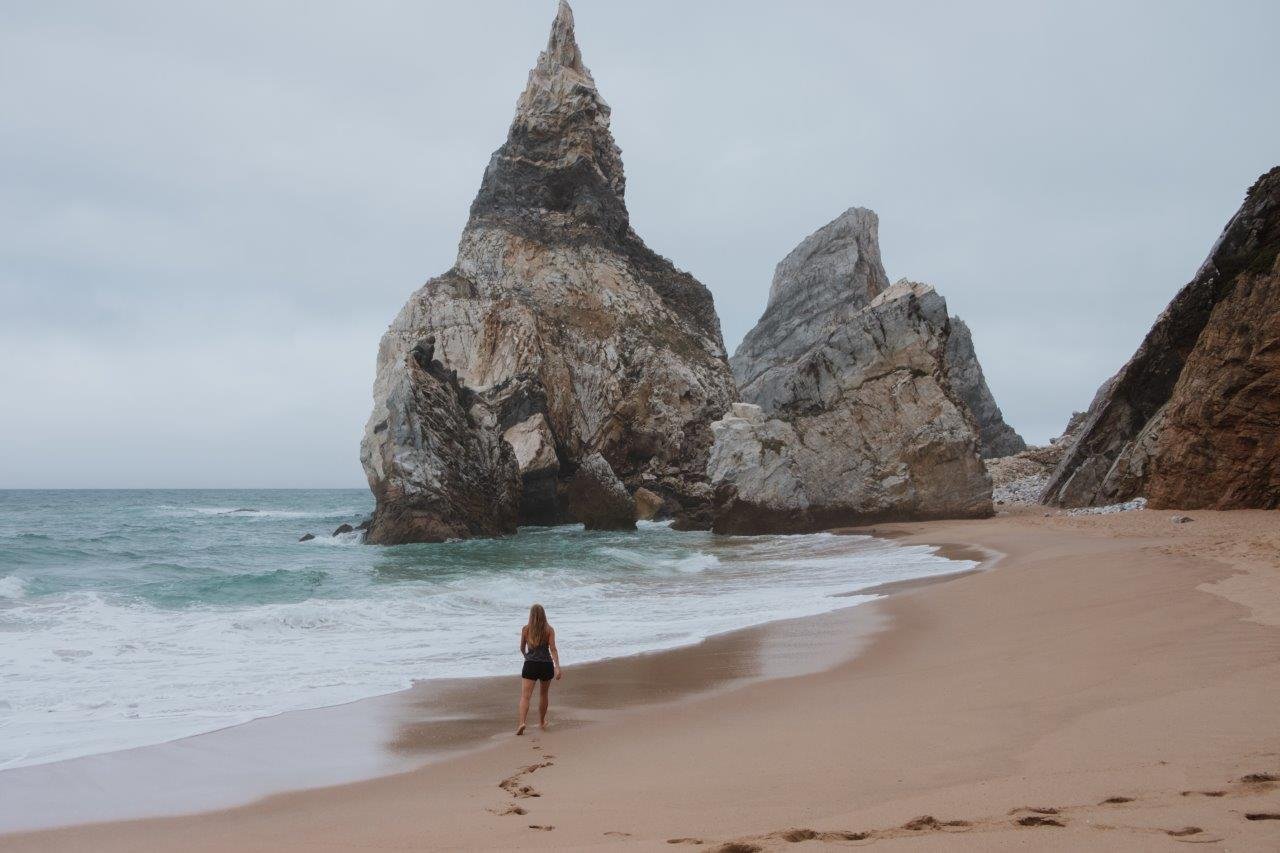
x,y
576,337
964,373
438,468
1193,419
862,426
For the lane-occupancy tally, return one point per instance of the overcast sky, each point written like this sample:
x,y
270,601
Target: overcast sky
x,y
209,212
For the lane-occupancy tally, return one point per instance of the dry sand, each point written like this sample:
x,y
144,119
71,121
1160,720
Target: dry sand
x,y
1111,683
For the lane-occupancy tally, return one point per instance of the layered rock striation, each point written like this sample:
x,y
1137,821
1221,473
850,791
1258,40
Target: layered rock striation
x,y
1193,419
576,336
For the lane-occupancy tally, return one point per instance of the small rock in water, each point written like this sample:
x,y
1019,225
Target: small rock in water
x,y
345,528
648,504
1180,519
307,537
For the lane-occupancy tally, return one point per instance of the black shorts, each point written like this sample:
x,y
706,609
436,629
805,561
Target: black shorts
x,y
538,670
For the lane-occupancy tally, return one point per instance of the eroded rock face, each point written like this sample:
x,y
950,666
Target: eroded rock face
x,y
1193,419
862,427
598,498
555,308
964,373
441,470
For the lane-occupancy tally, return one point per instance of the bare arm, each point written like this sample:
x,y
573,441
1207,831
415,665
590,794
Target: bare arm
x,y
555,653
524,640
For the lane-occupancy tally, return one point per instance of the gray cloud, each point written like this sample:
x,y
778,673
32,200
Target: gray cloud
x,y
209,212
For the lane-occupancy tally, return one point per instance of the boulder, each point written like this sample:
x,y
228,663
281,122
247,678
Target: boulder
x,y
648,504
307,537
863,427
1191,420
598,498
556,308
344,528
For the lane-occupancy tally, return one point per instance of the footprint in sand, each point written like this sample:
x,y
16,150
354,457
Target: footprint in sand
x,y
1039,820
513,787
1204,793
1260,778
616,834
1034,810
797,835
1185,831
541,827
685,841
738,847
1262,816
1115,801
930,822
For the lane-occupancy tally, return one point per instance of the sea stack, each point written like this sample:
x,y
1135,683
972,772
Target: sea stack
x,y
574,337
1192,421
849,415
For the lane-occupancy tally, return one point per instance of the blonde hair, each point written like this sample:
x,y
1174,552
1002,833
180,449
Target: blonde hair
x,y
537,631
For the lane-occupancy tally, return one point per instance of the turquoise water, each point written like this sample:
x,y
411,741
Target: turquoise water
x,y
136,617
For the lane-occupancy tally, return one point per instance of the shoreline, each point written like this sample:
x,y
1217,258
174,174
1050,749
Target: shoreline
x,y
431,721
1110,683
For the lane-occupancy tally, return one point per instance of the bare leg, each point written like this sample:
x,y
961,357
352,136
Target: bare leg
x,y
526,692
544,702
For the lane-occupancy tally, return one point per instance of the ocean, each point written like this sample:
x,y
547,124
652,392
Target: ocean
x,y
137,617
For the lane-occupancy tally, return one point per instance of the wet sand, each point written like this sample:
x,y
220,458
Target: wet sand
x,y
1112,683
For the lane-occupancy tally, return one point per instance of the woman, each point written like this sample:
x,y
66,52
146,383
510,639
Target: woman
x,y
541,663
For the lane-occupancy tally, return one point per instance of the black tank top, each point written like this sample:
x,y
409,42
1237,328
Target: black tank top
x,y
538,653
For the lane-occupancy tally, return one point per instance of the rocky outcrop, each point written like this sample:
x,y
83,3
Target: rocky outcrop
x,y
575,335
964,373
861,427
439,470
598,498
1193,419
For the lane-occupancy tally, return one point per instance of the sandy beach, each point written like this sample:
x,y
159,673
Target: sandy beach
x,y
1109,682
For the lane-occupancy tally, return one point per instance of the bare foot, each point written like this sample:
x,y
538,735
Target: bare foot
x,y
520,730
543,724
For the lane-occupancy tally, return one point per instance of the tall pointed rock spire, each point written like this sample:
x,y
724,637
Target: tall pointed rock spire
x,y
570,340
560,158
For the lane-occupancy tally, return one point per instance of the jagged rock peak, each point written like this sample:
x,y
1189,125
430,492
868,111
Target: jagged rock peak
x,y
833,273
560,85
844,252
560,167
